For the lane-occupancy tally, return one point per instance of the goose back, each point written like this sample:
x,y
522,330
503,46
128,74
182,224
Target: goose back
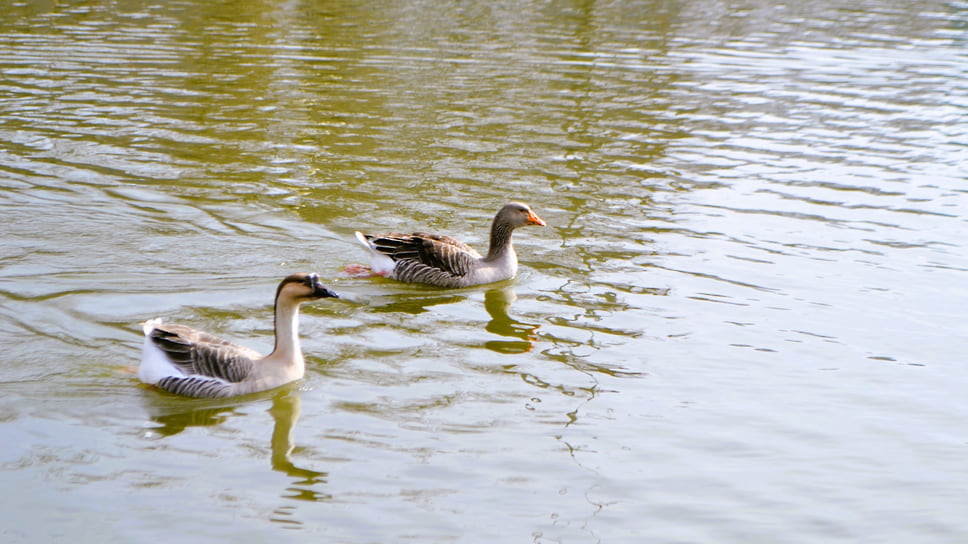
x,y
444,261
189,362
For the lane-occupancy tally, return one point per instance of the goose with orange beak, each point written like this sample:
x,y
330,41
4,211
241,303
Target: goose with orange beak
x,y
443,261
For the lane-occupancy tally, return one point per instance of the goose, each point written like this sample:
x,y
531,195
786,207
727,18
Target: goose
x,y
443,261
189,362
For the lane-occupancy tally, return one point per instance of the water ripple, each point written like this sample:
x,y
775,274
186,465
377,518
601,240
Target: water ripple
x,y
756,211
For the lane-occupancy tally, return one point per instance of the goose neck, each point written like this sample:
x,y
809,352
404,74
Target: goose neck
x,y
500,240
287,346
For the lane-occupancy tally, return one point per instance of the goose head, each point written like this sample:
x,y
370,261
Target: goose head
x,y
517,214
303,287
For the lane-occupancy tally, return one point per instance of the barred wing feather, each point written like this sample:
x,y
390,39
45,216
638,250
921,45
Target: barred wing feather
x,y
421,251
198,353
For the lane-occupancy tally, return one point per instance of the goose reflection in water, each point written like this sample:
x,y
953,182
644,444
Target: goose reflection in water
x,y
285,412
497,302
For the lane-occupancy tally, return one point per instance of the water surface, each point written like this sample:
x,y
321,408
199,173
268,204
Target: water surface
x,y
744,323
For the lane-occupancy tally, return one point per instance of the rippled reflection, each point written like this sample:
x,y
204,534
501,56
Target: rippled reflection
x,y
752,276
414,302
285,412
175,415
172,424
498,302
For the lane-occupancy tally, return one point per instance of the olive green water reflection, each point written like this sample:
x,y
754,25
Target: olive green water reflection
x,y
743,323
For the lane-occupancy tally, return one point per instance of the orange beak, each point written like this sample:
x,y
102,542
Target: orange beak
x,y
533,219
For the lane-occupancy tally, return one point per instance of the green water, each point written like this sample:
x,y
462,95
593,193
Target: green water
x,y
744,321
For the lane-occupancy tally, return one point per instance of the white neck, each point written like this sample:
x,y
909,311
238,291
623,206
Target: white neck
x,y
287,350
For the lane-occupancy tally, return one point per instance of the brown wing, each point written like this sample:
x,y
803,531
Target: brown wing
x,y
422,250
198,353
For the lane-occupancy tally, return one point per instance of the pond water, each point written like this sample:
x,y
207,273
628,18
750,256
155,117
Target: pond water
x,y
745,322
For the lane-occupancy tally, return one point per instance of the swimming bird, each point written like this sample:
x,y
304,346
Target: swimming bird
x,y
189,362
443,261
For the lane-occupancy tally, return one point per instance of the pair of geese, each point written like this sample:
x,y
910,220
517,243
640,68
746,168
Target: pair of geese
x,y
189,362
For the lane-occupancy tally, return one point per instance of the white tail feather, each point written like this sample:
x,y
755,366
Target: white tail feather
x,y
155,365
150,325
379,263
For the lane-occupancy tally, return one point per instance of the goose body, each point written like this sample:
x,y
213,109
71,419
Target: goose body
x,y
444,261
186,361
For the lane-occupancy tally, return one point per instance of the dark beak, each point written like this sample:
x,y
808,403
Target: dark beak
x,y
320,290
